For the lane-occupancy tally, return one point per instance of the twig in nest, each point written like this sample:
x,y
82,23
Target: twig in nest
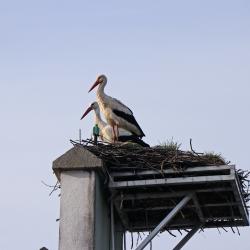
x,y
132,240
191,147
54,188
138,238
171,233
47,185
137,242
219,230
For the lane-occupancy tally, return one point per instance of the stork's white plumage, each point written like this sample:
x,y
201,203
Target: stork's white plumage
x,y
106,131
116,113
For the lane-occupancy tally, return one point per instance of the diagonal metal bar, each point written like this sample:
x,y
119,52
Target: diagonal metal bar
x,y
165,221
187,238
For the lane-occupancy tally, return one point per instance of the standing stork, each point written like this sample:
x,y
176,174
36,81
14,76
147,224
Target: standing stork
x,y
106,132
116,113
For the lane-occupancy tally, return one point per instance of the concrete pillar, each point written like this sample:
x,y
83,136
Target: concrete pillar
x,y
77,210
84,206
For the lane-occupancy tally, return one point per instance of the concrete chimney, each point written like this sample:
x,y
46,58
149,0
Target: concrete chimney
x,y
85,214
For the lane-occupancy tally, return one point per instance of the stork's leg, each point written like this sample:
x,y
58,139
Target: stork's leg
x,y
117,132
101,136
114,134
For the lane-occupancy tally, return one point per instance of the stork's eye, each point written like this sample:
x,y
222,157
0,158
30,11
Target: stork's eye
x,y
100,80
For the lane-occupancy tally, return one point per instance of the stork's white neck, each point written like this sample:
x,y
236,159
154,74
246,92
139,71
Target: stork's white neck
x,y
98,120
100,91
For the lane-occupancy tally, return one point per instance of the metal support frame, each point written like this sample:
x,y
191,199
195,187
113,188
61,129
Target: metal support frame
x,y
187,237
225,175
165,221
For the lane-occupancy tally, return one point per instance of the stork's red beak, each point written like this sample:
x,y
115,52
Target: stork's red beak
x,y
86,112
94,85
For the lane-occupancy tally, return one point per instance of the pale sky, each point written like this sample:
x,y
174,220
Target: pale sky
x,y
183,67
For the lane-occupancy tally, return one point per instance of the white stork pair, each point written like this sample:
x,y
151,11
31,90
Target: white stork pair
x,y
121,124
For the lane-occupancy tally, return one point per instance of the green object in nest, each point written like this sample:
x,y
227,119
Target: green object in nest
x,y
96,130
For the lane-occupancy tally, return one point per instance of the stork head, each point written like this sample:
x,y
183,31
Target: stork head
x,y
93,106
102,80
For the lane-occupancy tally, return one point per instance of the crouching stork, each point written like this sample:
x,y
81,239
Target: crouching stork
x,y
106,132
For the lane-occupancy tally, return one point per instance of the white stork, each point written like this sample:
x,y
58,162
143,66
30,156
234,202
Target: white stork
x,y
116,113
106,131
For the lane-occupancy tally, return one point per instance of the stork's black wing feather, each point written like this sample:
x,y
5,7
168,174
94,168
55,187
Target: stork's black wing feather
x,y
130,119
123,105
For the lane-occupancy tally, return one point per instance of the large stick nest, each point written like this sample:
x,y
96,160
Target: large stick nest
x,y
158,157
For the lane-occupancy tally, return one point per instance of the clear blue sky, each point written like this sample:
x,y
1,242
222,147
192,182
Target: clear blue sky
x,y
182,66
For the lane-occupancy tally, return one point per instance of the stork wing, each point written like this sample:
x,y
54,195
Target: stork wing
x,y
129,118
124,107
